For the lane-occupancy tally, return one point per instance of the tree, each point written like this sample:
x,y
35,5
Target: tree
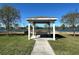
x,y
16,25
71,19
8,15
63,26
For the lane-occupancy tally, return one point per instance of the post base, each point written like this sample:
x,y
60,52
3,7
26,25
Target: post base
x,y
53,39
33,37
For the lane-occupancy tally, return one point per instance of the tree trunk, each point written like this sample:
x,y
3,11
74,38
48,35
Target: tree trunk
x,y
74,31
7,27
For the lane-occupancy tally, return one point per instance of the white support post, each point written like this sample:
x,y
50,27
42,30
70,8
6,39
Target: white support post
x,y
33,34
54,32
33,30
28,31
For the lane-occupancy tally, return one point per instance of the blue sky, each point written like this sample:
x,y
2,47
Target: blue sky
x,y
43,9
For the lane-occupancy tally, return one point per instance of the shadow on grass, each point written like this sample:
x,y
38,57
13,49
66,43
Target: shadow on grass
x,y
58,36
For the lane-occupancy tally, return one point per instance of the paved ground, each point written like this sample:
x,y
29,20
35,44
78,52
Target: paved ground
x,y
42,47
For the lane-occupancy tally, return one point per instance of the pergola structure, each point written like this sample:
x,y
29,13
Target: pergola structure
x,y
33,21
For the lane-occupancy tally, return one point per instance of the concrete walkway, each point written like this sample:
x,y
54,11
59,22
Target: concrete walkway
x,y
42,47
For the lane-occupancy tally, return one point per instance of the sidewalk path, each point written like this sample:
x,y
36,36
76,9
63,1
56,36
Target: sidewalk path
x,y
42,47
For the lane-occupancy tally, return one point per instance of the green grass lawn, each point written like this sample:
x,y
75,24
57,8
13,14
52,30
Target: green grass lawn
x,y
15,45
66,46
